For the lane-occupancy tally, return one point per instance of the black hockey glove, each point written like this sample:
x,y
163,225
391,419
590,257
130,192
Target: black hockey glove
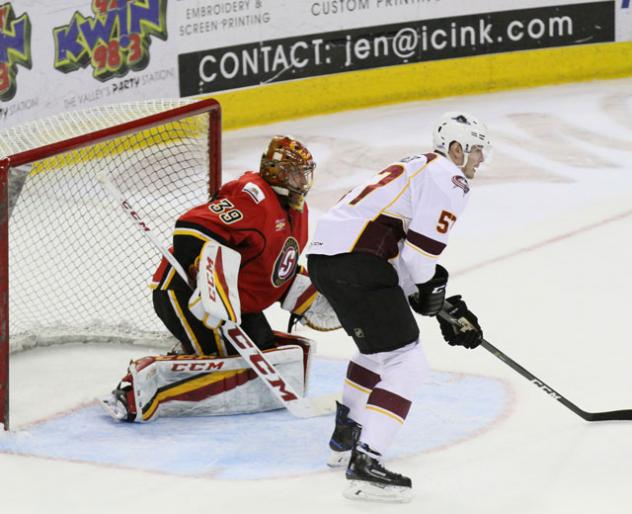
x,y
429,300
469,334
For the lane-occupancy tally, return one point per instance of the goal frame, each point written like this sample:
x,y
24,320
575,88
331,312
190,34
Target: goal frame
x,y
209,106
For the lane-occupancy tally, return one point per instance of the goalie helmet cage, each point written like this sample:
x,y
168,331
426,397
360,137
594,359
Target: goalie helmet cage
x,y
72,267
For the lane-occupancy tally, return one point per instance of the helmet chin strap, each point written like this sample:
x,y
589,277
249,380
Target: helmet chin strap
x,y
280,190
294,200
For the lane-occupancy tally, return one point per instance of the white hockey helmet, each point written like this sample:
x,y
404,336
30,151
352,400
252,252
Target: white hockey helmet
x,y
463,128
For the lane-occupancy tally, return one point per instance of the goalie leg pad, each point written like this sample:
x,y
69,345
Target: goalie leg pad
x,y
307,345
186,385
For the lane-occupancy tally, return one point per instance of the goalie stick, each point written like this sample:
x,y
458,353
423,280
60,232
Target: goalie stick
x,y
614,415
278,385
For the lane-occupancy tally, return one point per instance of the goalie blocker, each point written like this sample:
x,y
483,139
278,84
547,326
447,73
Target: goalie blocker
x,y
188,385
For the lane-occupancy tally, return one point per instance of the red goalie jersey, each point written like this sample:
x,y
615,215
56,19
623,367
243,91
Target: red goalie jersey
x,y
247,216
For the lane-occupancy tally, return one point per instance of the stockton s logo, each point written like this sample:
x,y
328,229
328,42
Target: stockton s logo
x,y
286,263
15,48
113,41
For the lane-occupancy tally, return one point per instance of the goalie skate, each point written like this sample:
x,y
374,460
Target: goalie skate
x,y
369,480
115,404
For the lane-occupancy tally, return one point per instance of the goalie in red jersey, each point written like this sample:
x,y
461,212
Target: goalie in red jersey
x,y
260,222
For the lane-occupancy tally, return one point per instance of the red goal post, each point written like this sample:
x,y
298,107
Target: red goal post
x,y
72,267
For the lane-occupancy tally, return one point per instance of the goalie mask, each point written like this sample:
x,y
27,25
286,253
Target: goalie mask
x,y
287,165
466,130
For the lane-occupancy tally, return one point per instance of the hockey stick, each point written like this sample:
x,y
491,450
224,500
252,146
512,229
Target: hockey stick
x,y
613,415
269,375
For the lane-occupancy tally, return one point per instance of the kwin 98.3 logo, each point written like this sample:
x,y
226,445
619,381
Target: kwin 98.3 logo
x,y
113,41
15,48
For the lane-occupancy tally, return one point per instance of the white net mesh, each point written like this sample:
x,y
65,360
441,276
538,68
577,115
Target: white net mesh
x,y
79,269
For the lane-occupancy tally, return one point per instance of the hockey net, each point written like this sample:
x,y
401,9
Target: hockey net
x,y
73,267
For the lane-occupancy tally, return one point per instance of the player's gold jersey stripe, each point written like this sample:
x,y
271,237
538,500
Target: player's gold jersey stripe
x,y
385,412
417,249
356,386
404,188
382,212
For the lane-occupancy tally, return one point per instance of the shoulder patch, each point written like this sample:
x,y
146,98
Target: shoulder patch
x,y
461,182
410,158
255,192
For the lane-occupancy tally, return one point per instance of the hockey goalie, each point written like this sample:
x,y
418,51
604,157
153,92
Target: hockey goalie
x,y
240,251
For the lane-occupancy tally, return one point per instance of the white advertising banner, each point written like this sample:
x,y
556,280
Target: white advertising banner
x,y
55,58
624,20
243,21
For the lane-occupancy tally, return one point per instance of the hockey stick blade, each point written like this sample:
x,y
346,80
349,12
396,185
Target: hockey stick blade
x,y
615,415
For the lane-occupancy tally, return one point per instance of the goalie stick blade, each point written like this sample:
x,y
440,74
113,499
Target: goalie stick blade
x,y
312,407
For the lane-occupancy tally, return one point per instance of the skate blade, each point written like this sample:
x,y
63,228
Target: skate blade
x,y
368,491
338,459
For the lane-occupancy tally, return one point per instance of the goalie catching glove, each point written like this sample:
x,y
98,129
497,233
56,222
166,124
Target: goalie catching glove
x,y
308,306
467,332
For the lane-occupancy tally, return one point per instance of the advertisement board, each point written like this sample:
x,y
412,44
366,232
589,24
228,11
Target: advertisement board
x,y
624,20
57,58
267,61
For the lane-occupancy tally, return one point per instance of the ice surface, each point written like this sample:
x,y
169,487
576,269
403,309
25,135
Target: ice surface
x,y
542,255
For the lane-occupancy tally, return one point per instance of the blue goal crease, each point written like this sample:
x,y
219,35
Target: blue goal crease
x,y
444,412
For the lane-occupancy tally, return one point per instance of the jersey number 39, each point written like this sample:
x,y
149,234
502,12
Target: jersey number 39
x,y
226,211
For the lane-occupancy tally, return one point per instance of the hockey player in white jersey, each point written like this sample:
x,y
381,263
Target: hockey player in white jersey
x,y
374,256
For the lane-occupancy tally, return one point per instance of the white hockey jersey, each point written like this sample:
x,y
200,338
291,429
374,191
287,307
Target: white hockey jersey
x,y
404,215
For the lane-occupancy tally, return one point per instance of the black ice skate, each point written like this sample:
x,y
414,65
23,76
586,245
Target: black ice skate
x,y
369,480
345,436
